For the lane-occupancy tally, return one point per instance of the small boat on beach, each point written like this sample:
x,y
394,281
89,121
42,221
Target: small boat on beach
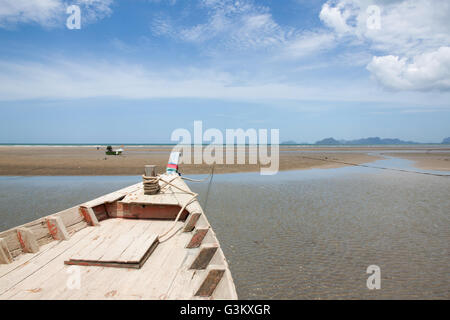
x,y
150,240
111,152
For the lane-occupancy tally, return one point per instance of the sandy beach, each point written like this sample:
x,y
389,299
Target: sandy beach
x,y
88,160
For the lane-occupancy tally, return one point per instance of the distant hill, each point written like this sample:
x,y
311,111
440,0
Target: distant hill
x,y
365,141
289,142
328,141
446,141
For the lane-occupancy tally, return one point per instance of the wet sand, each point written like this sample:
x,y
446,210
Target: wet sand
x,y
428,160
66,161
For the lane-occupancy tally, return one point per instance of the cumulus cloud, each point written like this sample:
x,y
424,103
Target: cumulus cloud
x,y
50,13
410,34
425,72
337,16
406,27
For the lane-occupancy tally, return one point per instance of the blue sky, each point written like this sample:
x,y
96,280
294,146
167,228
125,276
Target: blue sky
x,y
138,69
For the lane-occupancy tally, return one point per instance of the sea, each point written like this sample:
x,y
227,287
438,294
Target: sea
x,y
305,234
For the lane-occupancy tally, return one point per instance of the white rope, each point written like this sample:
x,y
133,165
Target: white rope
x,y
194,196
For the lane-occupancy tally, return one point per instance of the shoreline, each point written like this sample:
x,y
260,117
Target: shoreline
x,y
92,161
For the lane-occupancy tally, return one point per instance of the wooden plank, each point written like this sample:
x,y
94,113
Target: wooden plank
x,y
77,227
5,255
57,228
144,239
114,196
99,236
166,198
39,228
12,241
122,282
191,222
128,244
89,216
197,238
204,257
70,216
100,212
27,240
151,211
107,238
44,265
210,283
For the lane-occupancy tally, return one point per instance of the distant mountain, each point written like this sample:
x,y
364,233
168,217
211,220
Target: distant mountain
x,y
289,142
446,141
365,141
328,141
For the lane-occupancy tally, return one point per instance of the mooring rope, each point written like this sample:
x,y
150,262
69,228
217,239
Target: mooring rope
x,y
209,188
151,184
378,167
151,181
194,196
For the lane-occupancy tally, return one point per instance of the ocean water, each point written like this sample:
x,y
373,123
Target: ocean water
x,y
307,234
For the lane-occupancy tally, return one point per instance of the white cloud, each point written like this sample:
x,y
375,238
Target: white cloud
x,y
233,24
42,12
50,13
308,43
410,35
59,79
245,26
427,71
93,10
336,16
407,27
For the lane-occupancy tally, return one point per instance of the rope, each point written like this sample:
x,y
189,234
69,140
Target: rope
x,y
151,184
377,167
194,196
209,188
195,180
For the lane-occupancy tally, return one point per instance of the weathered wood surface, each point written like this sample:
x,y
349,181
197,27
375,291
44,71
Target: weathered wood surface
x,y
27,240
191,221
204,257
165,275
114,196
197,238
5,255
127,244
210,283
57,228
89,215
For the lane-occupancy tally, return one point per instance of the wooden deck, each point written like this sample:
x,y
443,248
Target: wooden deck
x,y
116,257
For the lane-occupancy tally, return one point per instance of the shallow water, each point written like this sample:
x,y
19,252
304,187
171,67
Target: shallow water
x,y
300,234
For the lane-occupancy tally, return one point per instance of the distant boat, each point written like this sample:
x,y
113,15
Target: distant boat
x,y
110,152
123,245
